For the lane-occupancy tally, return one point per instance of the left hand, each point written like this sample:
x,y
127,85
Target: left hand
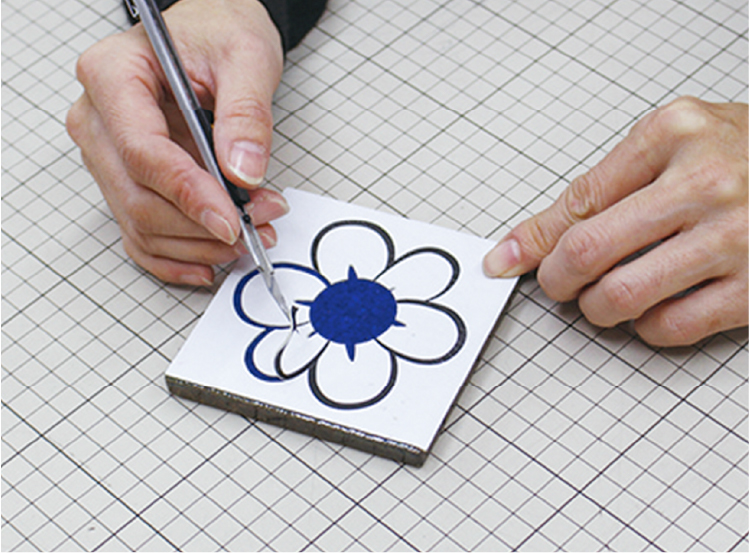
x,y
678,180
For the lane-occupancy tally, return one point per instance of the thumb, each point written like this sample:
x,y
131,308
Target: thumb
x,y
243,130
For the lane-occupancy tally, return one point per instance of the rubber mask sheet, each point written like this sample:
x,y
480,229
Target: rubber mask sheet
x,y
388,317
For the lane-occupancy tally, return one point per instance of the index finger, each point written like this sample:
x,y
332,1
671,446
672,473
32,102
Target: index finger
x,y
127,95
632,164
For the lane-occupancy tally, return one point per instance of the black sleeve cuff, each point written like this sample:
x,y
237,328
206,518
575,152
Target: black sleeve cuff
x,y
162,4
293,18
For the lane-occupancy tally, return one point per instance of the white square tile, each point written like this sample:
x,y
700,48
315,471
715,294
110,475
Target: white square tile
x,y
368,409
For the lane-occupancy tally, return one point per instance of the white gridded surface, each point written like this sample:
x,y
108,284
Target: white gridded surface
x,y
471,115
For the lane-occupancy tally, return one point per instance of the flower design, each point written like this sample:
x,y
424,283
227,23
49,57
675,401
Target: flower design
x,y
354,319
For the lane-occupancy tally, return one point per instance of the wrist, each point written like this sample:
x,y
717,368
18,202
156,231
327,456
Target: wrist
x,y
271,10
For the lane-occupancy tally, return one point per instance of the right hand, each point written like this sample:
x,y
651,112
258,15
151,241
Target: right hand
x,y
176,220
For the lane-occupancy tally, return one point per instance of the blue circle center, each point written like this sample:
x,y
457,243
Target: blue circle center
x,y
353,311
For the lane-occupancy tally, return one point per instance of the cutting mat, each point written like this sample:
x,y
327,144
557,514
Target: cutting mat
x,y
470,115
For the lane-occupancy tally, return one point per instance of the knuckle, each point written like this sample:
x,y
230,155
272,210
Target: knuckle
x,y
139,218
535,237
714,181
185,196
85,64
100,56
726,186
549,282
74,122
140,256
685,104
149,264
130,246
137,237
88,65
582,197
625,296
580,249
641,125
249,108
129,150
671,329
682,118
175,184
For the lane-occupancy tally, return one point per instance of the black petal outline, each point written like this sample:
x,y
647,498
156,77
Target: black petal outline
x,y
459,342
352,222
437,251
297,372
361,404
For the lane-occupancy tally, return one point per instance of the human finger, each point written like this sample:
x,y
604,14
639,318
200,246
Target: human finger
x,y
592,247
139,210
246,76
706,311
265,206
244,123
184,252
166,269
140,133
200,252
632,164
629,290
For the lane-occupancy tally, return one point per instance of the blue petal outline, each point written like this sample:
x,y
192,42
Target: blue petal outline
x,y
237,300
249,359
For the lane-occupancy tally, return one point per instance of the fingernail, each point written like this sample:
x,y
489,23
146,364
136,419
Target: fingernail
x,y
240,248
248,161
268,239
502,259
272,206
281,202
218,226
195,280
